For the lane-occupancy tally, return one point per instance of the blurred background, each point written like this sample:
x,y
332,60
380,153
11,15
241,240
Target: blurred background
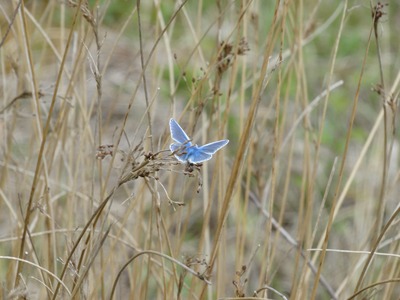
x,y
301,204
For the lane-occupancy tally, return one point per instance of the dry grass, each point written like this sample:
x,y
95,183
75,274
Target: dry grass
x,y
303,202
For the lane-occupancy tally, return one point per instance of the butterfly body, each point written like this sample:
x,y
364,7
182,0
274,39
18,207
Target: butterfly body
x,y
185,151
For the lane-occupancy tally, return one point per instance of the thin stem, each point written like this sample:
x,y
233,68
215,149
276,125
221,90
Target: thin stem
x,y
151,252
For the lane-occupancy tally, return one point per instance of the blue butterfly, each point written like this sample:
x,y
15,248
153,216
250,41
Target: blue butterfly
x,y
185,151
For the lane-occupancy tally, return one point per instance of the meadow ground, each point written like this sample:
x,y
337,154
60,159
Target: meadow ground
x,y
303,203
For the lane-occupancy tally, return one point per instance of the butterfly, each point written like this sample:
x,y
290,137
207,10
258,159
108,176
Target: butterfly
x,y
185,151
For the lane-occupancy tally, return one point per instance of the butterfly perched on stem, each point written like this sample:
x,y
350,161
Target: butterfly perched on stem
x,y
185,151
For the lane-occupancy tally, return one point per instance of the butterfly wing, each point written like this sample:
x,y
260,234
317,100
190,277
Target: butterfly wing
x,y
177,133
180,151
198,156
204,153
213,147
182,141
175,147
